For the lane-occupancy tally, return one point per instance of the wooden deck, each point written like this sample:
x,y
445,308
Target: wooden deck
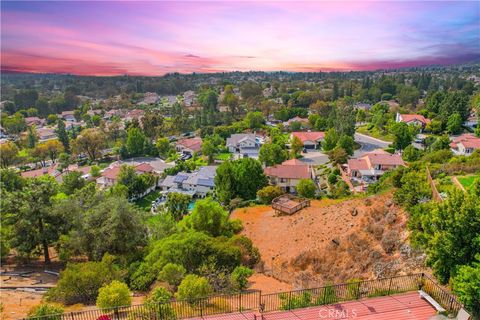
x,y
405,306
289,204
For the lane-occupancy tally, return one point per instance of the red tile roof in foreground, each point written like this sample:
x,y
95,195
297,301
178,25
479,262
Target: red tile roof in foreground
x,y
289,170
406,306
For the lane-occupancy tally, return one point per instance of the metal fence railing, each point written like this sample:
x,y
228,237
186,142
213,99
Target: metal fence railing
x,y
256,301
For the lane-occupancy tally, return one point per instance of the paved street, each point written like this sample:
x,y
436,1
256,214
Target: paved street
x,y
314,158
368,144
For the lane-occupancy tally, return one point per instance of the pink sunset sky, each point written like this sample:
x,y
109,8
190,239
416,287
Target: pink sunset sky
x,y
154,38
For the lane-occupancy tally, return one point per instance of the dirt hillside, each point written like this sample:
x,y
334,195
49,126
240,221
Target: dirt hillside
x,y
332,241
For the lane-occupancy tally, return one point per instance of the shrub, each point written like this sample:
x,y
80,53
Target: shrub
x,y
172,273
193,287
48,311
268,193
353,288
239,277
289,302
157,303
390,241
142,278
115,294
80,282
332,179
306,188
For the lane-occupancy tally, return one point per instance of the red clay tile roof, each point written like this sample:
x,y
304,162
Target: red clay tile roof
x,y
293,162
297,119
471,143
194,144
358,164
111,173
288,171
411,117
309,136
385,159
144,167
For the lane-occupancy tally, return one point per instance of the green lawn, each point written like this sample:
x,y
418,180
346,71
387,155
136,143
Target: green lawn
x,y
375,133
146,202
467,181
223,156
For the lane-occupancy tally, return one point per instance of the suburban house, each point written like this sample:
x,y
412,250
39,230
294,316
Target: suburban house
x,y
68,116
373,165
35,121
310,139
303,121
56,173
45,134
288,174
109,175
416,119
244,144
195,184
363,106
465,144
189,145
94,112
134,114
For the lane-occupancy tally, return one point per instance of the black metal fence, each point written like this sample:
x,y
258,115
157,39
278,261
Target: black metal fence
x,y
256,301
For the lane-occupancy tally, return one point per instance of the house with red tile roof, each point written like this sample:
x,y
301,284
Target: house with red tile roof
x,y
189,145
416,119
303,121
373,165
35,121
288,174
465,144
134,114
109,175
310,139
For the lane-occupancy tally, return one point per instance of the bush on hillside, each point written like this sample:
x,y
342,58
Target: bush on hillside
x,y
115,294
47,311
268,193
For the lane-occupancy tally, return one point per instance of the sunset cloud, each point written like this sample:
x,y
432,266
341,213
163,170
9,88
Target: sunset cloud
x,y
154,38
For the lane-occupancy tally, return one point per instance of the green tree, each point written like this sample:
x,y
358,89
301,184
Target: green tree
x,y
14,124
268,193
239,179
466,285
346,143
158,300
239,277
413,189
62,135
29,212
177,204
193,287
81,282
306,188
52,118
296,147
271,154
338,156
163,147
172,273
209,217
255,120
435,126
209,150
135,142
331,140
8,153
411,154
95,171
454,123
115,294
91,142
32,137
72,181
402,136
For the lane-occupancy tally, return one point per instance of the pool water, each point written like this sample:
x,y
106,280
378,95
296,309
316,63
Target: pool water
x,y
191,205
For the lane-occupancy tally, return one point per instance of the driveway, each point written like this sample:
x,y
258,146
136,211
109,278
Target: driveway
x,y
368,144
314,158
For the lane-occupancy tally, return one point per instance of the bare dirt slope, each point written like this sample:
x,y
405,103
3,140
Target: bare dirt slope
x,y
332,241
